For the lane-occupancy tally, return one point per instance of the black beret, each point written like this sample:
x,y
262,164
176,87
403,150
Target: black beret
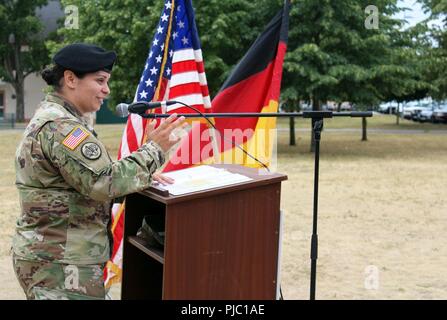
x,y
82,57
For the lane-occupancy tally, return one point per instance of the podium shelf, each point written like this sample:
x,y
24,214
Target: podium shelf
x,y
142,244
220,243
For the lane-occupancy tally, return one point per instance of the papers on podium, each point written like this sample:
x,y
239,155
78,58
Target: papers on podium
x,y
200,178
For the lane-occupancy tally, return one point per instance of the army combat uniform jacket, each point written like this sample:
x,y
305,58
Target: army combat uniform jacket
x,y
66,181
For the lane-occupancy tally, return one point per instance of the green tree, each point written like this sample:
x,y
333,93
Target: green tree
x,y
436,59
126,27
21,48
408,53
226,29
334,55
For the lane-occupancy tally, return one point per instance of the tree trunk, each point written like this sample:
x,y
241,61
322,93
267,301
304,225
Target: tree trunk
x,y
397,114
20,102
339,107
19,82
364,137
292,140
315,107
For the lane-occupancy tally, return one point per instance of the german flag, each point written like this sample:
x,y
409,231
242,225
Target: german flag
x,y
253,86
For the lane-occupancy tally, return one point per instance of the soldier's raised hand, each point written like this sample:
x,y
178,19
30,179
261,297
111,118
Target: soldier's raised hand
x,y
162,134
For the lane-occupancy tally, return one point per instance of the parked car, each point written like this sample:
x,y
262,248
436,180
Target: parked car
x,y
328,107
426,115
306,106
415,113
411,113
440,115
406,114
346,106
388,108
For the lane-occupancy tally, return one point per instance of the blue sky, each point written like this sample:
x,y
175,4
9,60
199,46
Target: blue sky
x,y
415,14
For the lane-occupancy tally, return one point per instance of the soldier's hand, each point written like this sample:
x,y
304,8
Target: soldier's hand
x,y
162,135
162,179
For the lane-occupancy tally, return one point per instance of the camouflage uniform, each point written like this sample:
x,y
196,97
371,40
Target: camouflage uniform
x,y
66,181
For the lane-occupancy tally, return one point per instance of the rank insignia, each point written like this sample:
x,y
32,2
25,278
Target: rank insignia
x,y
91,151
75,137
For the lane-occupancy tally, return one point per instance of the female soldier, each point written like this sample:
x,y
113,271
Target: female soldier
x,y
66,180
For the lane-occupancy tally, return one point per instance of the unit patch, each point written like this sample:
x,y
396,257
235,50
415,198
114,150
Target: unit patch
x,y
91,151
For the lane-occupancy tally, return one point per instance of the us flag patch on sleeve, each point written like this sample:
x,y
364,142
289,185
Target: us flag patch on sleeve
x,y
75,137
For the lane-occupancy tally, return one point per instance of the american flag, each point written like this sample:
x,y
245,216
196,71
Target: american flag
x,y
174,70
75,138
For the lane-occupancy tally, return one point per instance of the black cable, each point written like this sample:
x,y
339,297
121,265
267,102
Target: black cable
x,y
231,141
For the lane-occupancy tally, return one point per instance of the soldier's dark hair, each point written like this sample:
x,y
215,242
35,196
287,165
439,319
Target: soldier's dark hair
x,y
53,75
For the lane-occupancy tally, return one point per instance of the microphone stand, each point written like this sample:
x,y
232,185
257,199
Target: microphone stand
x,y
305,114
317,126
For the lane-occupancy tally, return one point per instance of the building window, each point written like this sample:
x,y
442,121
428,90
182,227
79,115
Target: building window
x,y
2,104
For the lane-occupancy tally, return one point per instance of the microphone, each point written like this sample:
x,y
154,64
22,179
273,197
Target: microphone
x,y
140,107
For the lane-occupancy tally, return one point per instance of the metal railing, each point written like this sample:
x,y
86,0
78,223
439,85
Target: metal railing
x,y
7,121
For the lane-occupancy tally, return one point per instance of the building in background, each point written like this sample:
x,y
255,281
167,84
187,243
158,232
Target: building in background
x,y
34,84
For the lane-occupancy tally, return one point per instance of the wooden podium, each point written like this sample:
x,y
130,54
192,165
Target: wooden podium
x,y
220,244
